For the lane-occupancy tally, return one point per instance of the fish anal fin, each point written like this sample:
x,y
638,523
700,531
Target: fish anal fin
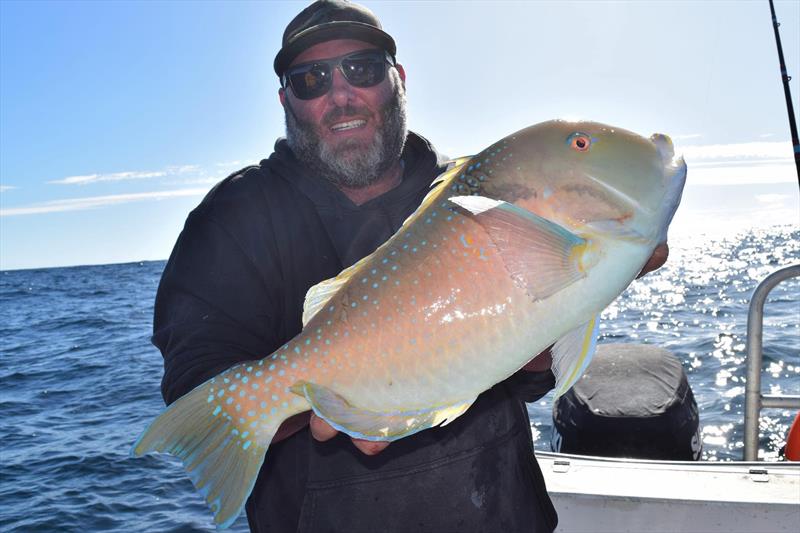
x,y
371,425
541,257
572,354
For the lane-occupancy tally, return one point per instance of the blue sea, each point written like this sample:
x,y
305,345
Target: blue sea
x,y
80,379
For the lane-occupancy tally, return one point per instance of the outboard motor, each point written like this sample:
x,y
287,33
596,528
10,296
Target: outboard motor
x,y
633,401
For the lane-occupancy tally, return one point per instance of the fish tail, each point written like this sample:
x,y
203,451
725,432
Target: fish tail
x,y
221,457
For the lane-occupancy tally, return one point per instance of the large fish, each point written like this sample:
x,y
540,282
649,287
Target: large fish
x,y
515,249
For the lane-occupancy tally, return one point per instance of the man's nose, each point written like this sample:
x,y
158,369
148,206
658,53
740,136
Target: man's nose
x,y
341,90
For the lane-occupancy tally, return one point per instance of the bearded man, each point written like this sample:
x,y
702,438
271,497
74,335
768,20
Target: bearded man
x,y
340,184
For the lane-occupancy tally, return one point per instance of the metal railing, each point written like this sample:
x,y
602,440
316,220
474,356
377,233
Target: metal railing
x,y
754,399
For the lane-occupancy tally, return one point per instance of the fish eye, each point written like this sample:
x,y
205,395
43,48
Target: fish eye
x,y
579,141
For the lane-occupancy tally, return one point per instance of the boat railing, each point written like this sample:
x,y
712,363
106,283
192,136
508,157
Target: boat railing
x,y
755,400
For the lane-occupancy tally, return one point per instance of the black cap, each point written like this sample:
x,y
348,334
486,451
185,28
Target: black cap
x,y
325,20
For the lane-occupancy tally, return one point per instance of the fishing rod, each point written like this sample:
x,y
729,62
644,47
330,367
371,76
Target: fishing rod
x,y
786,92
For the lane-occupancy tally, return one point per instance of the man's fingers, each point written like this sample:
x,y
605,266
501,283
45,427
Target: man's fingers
x,y
320,429
657,260
368,447
323,431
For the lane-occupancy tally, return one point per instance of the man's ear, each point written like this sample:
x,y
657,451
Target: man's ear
x,y
401,71
282,96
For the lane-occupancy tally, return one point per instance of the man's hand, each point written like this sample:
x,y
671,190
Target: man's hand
x,y
322,431
656,260
541,362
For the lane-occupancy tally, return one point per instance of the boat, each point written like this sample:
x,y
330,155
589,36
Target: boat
x,y
601,494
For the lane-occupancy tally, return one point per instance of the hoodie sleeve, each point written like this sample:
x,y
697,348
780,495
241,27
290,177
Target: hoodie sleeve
x,y
213,308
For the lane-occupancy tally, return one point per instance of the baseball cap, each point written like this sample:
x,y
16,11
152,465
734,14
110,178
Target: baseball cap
x,y
326,20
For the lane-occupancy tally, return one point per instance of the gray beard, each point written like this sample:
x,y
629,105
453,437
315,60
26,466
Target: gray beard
x,y
352,164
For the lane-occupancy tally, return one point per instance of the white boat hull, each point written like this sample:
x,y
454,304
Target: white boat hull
x,y
598,494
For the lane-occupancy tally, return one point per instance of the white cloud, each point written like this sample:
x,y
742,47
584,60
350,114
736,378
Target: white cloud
x,y
171,170
182,169
740,174
751,150
80,204
766,135
4,188
739,163
771,198
116,176
686,136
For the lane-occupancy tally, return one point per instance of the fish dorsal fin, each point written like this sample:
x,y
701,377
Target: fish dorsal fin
x,y
373,425
572,354
454,167
541,257
318,295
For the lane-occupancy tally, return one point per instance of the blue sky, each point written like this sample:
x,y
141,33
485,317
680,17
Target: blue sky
x,y
116,117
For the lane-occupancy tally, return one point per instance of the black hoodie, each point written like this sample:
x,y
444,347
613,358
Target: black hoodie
x,y
233,290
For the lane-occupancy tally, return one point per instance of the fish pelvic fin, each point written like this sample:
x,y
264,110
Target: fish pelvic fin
x,y
541,256
572,354
372,425
221,456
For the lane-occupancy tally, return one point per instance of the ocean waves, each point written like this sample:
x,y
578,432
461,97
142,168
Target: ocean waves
x,y
80,379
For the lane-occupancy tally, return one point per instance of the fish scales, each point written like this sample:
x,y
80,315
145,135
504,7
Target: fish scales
x,y
515,249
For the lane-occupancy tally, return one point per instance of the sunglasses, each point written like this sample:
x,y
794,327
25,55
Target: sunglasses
x,y
361,69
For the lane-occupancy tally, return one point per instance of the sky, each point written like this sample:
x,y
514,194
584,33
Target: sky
x,y
117,117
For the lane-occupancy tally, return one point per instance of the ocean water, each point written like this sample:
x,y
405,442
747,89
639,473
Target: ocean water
x,y
80,380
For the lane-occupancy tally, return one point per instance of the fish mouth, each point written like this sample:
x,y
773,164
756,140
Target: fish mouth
x,y
665,147
675,166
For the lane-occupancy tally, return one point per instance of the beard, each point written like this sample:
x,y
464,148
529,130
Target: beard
x,y
353,164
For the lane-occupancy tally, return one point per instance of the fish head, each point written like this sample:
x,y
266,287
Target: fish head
x,y
587,174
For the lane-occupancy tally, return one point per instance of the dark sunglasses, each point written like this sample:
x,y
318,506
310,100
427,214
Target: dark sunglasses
x,y
361,69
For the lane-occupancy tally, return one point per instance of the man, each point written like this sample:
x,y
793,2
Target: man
x,y
342,182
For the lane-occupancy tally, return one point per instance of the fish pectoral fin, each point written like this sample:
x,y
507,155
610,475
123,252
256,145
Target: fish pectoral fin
x,y
572,353
541,256
373,425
